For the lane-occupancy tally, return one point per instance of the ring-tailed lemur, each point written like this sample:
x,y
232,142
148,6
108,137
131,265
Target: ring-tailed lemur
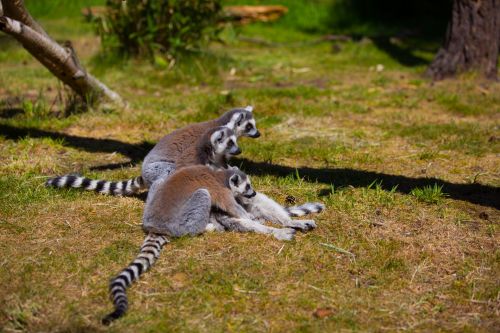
x,y
214,150
185,204
161,160
214,147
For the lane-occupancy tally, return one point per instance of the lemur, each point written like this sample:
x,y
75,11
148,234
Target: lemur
x,y
185,204
213,147
177,149
162,159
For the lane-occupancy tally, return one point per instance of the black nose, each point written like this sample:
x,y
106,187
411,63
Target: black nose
x,y
251,195
237,152
256,135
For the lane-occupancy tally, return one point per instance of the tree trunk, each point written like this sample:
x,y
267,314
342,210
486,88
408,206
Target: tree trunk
x,y
59,60
472,40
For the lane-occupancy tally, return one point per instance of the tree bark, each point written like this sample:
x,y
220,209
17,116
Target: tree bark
x,y
472,40
15,10
59,60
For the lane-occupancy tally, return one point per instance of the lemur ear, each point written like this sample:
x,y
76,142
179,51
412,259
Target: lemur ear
x,y
234,179
249,108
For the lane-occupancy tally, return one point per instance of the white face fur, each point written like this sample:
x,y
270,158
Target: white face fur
x,y
242,126
240,186
224,142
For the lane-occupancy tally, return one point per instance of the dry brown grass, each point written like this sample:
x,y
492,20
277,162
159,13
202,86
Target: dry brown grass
x,y
417,266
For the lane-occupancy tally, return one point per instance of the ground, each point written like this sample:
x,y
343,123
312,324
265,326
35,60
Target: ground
x,y
408,170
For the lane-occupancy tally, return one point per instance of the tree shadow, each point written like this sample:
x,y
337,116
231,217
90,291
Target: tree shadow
x,y
416,24
10,112
479,194
401,54
136,152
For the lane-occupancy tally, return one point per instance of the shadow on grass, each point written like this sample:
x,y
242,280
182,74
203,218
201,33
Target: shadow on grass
x,y
135,152
474,193
401,54
418,25
7,113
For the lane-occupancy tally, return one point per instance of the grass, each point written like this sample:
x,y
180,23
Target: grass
x,y
380,149
430,194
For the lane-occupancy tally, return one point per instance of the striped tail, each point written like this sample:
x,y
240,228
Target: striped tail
x,y
125,187
150,250
305,209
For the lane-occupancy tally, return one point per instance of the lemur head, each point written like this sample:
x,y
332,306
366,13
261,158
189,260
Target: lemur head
x,y
239,184
223,142
242,122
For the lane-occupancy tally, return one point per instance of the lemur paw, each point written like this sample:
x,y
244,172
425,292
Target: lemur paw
x,y
214,227
302,225
284,234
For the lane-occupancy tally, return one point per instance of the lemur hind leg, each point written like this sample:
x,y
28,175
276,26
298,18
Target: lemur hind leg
x,y
257,227
194,216
248,225
264,208
220,221
214,224
191,219
151,172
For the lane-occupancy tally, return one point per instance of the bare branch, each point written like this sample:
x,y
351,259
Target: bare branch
x,y
16,10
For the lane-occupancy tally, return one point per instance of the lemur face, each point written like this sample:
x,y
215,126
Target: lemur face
x,y
243,123
224,142
240,185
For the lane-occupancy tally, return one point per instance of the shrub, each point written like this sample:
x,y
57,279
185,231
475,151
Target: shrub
x,y
146,27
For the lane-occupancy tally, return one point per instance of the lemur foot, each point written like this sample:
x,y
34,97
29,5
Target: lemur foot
x,y
302,225
284,234
214,227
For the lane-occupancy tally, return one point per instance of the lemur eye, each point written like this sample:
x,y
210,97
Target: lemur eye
x,y
249,127
248,187
230,143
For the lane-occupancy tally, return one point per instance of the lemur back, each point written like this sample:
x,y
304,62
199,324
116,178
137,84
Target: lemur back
x,y
169,196
160,161
173,145
213,147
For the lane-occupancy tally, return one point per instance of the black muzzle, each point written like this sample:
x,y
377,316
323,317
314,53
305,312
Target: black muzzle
x,y
256,135
253,194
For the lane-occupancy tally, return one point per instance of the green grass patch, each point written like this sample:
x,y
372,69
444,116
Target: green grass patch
x,y
466,104
429,194
334,129
469,138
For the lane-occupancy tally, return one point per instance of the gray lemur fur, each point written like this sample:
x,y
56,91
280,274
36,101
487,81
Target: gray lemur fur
x,y
161,160
261,208
184,204
198,212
